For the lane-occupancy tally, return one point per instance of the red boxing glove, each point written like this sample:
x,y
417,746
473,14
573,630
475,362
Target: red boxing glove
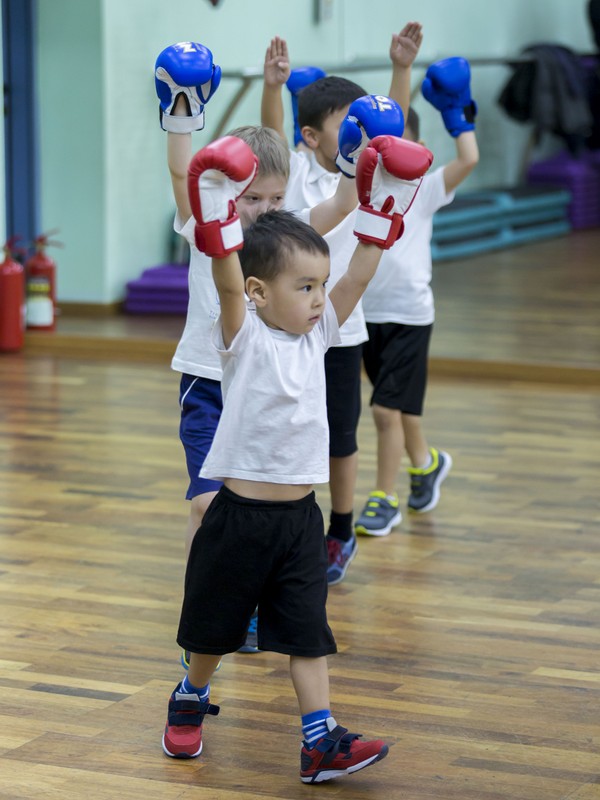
x,y
219,174
388,175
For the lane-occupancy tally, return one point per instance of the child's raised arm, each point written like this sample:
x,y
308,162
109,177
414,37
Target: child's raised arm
x,y
217,176
403,51
185,79
388,176
447,86
368,116
276,71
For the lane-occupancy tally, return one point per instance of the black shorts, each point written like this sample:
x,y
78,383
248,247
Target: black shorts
x,y
250,553
342,373
395,359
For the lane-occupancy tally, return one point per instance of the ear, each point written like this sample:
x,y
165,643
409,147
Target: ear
x,y
310,136
255,289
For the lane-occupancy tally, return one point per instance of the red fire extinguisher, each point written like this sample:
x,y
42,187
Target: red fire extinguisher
x,y
12,300
41,285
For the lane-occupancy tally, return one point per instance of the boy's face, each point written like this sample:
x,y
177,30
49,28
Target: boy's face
x,y
325,141
266,193
295,300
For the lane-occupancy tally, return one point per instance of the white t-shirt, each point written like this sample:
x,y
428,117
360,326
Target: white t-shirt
x,y
309,185
400,291
195,353
274,422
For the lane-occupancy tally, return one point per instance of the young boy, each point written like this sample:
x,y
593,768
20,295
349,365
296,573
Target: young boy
x,y
261,542
399,310
186,78
322,107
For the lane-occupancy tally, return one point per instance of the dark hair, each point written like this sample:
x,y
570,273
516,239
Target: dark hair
x,y
323,97
272,238
413,123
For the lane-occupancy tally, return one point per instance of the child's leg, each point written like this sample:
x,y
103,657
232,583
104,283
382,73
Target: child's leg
x,y
343,374
416,443
202,666
310,677
328,750
343,383
390,446
380,513
198,506
342,482
201,405
188,705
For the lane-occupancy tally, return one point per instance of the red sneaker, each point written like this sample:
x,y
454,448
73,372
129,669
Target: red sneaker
x,y
183,732
339,753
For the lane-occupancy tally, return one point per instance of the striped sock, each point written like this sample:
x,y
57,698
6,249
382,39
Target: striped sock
x,y
187,687
314,726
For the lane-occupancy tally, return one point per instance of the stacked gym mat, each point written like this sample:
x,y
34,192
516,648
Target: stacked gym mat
x,y
580,176
159,290
496,218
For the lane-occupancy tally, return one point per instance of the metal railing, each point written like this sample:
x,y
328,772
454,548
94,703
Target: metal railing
x,y
250,75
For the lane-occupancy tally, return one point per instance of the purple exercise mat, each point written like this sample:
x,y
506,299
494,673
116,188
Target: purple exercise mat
x,y
159,290
581,176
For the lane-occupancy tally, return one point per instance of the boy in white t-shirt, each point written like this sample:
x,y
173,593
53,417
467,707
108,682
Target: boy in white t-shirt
x,y
322,107
399,311
261,542
186,74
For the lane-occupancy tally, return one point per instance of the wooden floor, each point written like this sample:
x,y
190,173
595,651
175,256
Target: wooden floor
x,y
469,638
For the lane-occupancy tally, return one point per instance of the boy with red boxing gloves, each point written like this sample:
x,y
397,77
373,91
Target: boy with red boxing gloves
x,y
186,78
261,542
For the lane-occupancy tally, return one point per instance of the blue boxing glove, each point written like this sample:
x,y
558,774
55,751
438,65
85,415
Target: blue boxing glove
x,y
369,116
299,78
447,86
185,69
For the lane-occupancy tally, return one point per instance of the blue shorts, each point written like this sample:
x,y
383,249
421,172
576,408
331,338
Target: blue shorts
x,y
201,406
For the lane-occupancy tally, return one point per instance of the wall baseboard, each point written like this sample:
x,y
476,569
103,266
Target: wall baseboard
x,y
89,309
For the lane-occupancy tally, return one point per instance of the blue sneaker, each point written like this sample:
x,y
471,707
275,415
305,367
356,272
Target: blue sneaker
x,y
339,556
251,643
379,516
425,483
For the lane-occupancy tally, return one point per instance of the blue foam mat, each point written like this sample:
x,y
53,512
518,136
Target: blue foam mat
x,y
496,218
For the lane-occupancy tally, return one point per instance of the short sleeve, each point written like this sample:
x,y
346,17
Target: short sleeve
x,y
330,326
185,229
242,339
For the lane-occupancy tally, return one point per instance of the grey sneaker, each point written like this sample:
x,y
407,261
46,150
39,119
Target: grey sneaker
x,y
425,483
379,515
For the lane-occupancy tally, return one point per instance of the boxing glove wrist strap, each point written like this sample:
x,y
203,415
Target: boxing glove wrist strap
x,y
346,167
182,124
377,227
219,239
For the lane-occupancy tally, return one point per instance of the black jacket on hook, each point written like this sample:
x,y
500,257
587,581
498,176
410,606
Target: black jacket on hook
x,y
550,91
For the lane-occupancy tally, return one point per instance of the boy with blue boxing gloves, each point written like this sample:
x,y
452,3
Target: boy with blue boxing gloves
x,y
335,115
399,310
